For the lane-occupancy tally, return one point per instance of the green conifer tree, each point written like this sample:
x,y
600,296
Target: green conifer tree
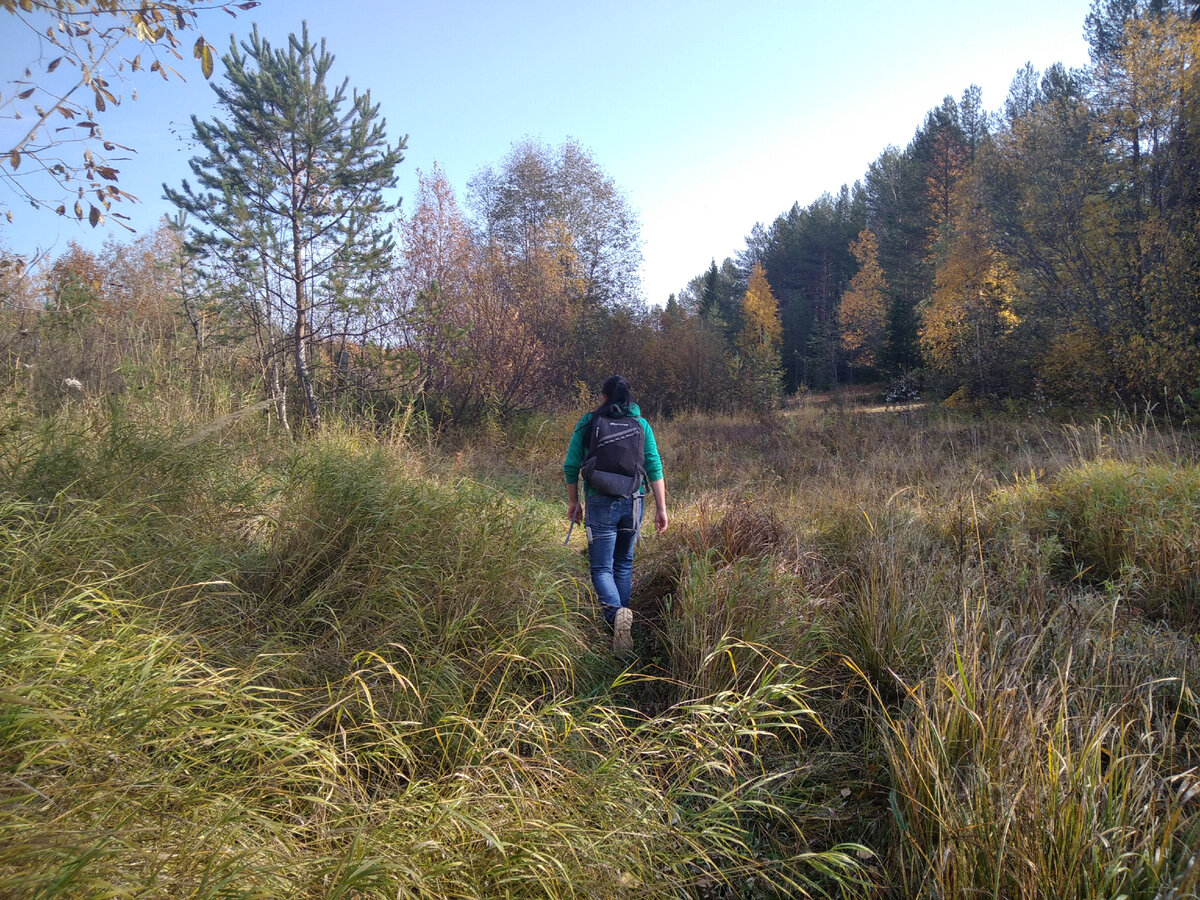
x,y
291,182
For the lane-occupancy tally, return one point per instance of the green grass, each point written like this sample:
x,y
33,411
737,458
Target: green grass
x,y
1025,695
357,680
876,656
1133,526
1018,768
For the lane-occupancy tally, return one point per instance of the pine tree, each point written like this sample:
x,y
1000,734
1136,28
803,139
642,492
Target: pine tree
x,y
292,188
808,262
710,297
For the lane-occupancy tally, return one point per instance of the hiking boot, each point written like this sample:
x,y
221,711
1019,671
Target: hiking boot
x,y
622,631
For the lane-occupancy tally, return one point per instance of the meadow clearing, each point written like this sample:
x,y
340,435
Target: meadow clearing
x,y
879,653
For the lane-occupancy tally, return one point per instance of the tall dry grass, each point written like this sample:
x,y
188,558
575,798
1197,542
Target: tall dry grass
x,y
880,654
238,666
1013,606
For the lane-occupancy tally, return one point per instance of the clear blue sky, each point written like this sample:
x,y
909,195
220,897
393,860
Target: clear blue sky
x,y
710,116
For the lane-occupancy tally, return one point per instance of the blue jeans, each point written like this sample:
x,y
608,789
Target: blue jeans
x,y
612,526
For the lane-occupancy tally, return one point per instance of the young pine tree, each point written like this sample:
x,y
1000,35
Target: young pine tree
x,y
291,182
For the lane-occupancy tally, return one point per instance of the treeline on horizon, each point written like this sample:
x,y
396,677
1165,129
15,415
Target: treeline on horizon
x,y
1046,253
1049,251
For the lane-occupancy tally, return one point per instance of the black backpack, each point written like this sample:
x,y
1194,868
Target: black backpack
x,y
614,455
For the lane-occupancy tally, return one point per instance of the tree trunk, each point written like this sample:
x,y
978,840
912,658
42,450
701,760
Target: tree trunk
x,y
279,395
303,375
300,337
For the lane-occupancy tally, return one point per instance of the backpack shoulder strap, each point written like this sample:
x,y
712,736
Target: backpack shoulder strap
x,y
588,422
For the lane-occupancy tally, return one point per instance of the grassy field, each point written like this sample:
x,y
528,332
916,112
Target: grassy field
x,y
879,653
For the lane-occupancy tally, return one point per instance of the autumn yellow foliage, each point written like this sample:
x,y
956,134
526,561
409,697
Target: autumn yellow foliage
x,y
973,308
863,313
760,338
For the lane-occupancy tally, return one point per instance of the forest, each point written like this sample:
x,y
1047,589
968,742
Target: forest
x,y
289,606
1043,254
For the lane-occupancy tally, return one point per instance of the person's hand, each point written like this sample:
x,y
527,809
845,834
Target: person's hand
x,y
574,511
660,519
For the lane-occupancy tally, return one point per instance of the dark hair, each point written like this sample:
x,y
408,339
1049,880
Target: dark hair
x,y
617,397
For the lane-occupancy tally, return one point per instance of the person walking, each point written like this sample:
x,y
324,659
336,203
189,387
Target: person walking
x,y
614,449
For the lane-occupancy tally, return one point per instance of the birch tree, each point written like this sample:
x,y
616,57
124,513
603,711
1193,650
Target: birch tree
x,y
81,54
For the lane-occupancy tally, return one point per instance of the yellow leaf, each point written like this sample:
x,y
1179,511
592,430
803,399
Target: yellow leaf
x,y
15,159
203,52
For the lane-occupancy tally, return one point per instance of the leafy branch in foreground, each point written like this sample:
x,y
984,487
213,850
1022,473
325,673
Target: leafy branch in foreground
x,y
79,47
